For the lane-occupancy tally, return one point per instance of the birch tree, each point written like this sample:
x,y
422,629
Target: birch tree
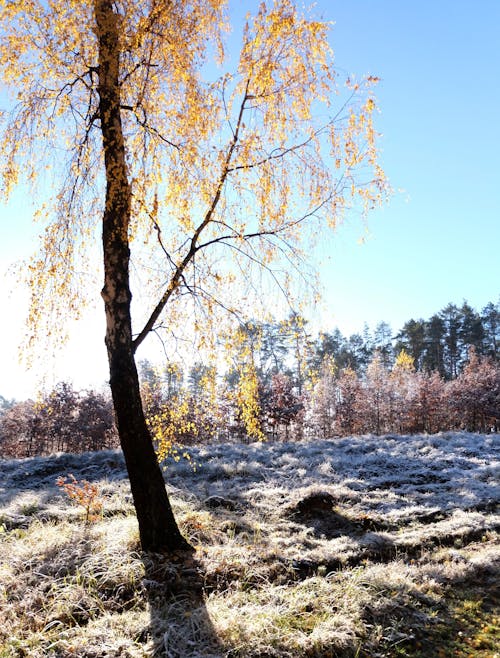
x,y
198,176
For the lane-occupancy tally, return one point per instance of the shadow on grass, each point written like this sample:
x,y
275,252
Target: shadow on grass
x,y
463,623
180,625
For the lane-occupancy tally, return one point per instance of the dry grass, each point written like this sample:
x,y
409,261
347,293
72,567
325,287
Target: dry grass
x,y
334,561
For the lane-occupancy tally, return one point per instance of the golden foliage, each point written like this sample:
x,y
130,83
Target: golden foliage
x,y
233,174
168,421
247,398
179,416
404,362
241,346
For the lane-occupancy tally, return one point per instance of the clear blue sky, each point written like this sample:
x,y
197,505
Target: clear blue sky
x,y
438,240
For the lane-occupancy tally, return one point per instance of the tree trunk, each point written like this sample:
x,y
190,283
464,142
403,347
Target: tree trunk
x,y
157,526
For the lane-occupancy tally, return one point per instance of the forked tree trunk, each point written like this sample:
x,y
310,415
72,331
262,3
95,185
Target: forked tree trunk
x,y
157,526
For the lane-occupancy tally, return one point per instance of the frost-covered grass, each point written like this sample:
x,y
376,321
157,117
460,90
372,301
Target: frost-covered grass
x,y
364,546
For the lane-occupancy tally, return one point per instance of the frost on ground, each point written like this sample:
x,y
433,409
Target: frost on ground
x,y
347,547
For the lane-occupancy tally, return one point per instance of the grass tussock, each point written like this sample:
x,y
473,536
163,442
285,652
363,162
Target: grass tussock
x,y
317,550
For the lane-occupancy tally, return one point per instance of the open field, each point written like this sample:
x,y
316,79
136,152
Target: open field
x,y
356,547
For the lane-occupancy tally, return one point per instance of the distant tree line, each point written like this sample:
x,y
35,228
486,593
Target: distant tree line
x,y
440,344
433,375
403,400
62,421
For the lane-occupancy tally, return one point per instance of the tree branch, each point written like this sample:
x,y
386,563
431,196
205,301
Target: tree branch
x,y
147,127
193,246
